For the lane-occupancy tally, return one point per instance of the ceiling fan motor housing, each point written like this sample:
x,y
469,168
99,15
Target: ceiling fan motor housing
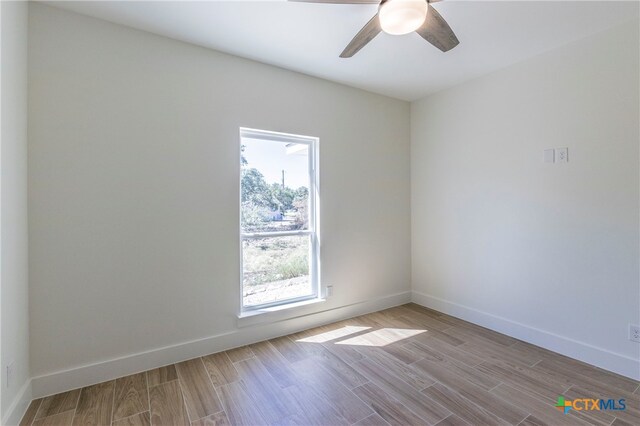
x,y
399,17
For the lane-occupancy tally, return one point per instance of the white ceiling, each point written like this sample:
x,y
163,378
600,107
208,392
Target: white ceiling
x,y
308,37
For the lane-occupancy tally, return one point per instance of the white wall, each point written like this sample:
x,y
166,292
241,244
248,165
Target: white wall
x,y
547,252
133,189
14,292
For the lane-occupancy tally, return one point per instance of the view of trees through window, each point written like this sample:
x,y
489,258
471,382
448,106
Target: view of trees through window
x,y
276,241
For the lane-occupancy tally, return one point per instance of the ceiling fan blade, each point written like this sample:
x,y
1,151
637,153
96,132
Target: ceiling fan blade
x,y
364,36
437,32
338,1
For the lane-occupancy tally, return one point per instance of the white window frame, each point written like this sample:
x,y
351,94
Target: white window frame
x,y
312,232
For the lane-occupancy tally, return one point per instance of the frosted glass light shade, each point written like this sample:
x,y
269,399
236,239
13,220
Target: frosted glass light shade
x,y
402,16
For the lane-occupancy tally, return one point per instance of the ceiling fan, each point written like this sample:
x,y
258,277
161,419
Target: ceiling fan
x,y
398,17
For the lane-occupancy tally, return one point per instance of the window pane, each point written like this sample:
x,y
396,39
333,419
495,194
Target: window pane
x,y
275,269
274,186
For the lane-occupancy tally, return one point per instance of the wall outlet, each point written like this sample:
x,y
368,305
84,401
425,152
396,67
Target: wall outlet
x,y
9,374
634,333
562,155
550,155
329,291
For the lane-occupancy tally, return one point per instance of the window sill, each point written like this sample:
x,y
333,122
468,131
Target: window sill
x,y
278,313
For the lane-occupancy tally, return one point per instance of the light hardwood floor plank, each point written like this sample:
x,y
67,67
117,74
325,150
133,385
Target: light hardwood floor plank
x,y
167,404
200,397
583,372
462,407
220,369
270,399
417,379
378,337
347,353
434,348
217,419
386,406
524,378
372,320
61,419
275,363
395,312
468,330
562,371
161,375
372,420
607,377
620,422
452,420
330,362
528,349
131,396
470,374
332,390
401,353
492,352
31,412
59,403
323,333
94,405
427,322
312,409
240,354
420,404
411,324
532,421
290,350
339,369
239,406
481,397
140,419
427,311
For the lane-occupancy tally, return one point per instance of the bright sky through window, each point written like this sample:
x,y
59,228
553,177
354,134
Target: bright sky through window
x,y
271,162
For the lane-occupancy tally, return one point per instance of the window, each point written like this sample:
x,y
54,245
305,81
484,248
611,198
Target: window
x,y
278,218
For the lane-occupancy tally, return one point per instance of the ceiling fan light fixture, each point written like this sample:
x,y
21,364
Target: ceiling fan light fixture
x,y
399,17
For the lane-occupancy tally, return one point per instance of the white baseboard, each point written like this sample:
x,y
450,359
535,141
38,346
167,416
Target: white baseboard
x,y
19,406
590,354
61,381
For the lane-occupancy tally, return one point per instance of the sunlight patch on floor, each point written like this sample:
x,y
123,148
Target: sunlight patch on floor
x,y
382,337
333,334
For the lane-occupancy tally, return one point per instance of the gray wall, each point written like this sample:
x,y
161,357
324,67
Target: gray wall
x,y
133,186
547,250
14,308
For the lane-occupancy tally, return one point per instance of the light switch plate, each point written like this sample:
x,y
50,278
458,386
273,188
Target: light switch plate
x,y
562,155
549,155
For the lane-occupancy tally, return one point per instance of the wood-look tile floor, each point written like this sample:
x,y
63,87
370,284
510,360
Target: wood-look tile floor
x,y
402,366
